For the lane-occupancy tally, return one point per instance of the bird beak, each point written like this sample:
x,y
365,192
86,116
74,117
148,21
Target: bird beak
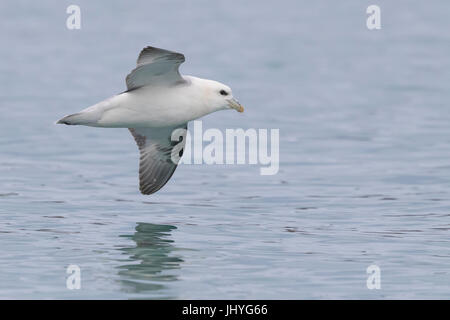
x,y
234,104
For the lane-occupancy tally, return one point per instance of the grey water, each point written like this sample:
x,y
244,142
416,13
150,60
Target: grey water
x,y
364,175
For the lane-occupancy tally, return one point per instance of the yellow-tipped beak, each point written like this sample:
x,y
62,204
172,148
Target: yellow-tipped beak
x,y
234,104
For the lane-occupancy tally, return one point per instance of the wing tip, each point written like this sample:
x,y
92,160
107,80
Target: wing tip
x,y
148,190
146,193
151,49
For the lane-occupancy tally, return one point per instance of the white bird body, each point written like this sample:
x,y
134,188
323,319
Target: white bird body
x,y
151,106
159,101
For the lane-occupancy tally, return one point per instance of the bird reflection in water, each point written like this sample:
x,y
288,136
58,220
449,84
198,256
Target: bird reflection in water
x,y
151,259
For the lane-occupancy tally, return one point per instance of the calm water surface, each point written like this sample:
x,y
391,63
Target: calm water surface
x,y
364,149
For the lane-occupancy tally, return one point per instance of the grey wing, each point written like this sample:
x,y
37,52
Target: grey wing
x,y
155,66
160,151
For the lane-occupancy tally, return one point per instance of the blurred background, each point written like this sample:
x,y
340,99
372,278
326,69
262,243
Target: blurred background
x,y
364,153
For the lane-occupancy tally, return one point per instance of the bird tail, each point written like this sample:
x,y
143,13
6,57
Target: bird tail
x,y
72,119
80,118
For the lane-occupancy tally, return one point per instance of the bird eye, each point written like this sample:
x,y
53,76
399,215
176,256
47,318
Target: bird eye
x,y
223,92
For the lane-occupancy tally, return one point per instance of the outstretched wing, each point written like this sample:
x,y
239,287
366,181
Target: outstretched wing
x,y
155,66
160,150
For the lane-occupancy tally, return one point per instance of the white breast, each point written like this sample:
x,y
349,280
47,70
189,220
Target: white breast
x,y
153,107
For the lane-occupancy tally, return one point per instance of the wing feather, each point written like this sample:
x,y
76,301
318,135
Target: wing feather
x,y
155,66
159,155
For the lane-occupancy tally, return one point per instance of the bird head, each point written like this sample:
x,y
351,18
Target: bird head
x,y
221,97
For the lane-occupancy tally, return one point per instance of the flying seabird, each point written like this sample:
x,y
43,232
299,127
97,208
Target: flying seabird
x,y
158,103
